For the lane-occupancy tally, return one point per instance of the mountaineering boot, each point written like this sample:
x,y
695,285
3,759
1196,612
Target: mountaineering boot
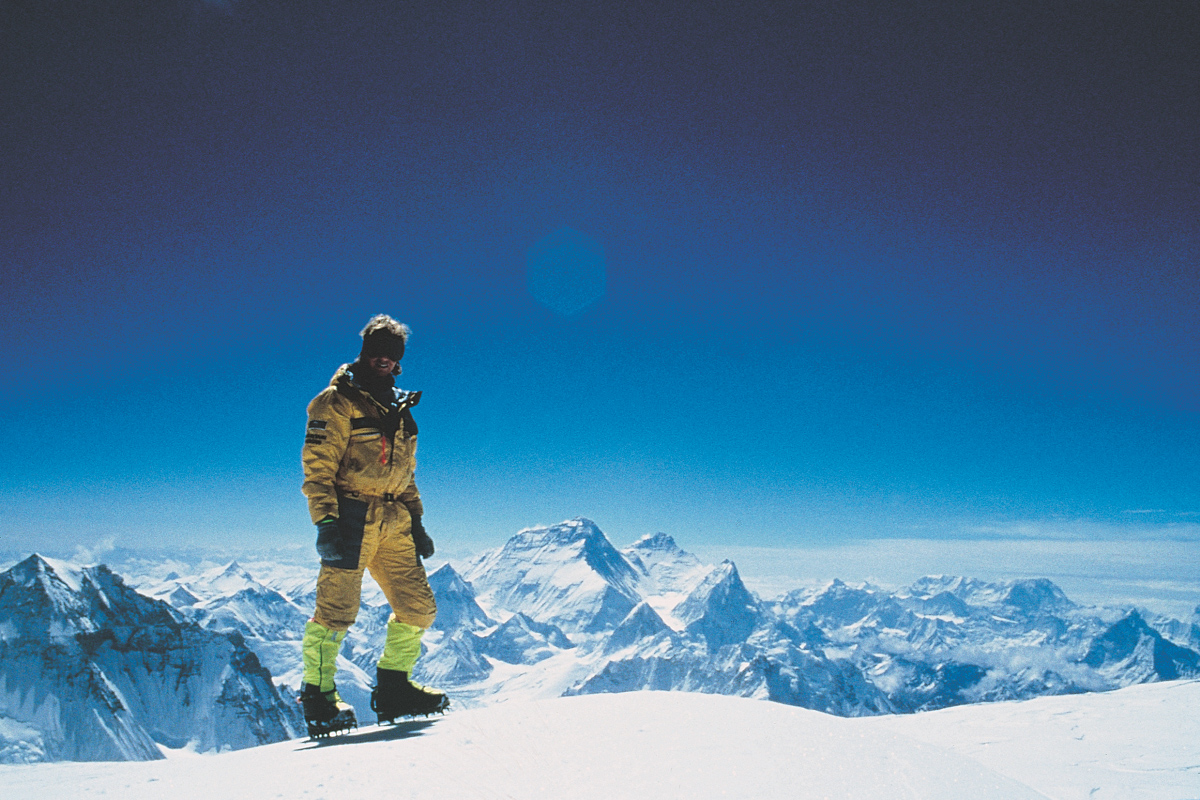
x,y
396,696
325,712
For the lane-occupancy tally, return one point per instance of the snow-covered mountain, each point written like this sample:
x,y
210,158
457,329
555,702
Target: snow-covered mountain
x,y
569,574
1131,649
848,650
92,670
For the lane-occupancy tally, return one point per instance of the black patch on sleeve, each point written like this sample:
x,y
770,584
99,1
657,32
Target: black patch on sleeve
x,y
317,423
314,439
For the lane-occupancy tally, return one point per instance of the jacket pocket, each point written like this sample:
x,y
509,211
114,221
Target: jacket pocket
x,y
364,450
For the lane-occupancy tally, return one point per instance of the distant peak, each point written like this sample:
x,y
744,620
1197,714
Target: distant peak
x,y
34,562
446,578
1134,619
566,532
38,565
655,542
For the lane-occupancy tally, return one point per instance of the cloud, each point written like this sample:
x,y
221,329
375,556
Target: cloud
x,y
1141,525
92,555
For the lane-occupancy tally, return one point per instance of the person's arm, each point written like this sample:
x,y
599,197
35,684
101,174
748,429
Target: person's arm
x,y
324,444
411,498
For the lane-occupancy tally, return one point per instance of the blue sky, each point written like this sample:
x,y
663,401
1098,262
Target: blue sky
x,y
869,271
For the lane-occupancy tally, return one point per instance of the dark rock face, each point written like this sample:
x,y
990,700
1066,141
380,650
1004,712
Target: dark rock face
x,y
1132,644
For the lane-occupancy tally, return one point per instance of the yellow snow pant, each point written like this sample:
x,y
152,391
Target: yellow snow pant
x,y
387,550
320,649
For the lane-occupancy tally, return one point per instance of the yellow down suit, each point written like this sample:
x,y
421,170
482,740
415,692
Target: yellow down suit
x,y
358,467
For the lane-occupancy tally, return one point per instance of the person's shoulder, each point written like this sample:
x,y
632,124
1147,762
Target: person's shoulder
x,y
326,395
333,395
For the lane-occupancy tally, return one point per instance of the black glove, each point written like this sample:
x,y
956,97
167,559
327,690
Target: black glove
x,y
421,539
329,540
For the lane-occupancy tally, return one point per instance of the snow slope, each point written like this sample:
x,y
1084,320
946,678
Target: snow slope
x,y
1140,743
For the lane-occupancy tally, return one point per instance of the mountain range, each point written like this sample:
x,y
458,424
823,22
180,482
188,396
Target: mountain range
x,y
92,670
559,611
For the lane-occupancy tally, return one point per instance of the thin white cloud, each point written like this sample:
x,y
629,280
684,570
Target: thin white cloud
x,y
94,554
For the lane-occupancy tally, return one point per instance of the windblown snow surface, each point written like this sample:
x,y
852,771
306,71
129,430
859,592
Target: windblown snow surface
x,y
1139,743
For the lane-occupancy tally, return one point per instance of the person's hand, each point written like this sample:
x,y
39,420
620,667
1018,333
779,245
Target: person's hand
x,y
421,539
329,540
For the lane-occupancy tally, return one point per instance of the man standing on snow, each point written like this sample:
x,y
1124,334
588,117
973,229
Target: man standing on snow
x,y
359,458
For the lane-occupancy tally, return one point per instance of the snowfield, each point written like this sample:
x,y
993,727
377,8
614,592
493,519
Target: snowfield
x,y
1139,743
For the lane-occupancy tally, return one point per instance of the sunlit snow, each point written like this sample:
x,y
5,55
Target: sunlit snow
x,y
1140,743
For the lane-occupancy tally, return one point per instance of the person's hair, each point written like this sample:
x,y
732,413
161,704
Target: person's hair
x,y
382,322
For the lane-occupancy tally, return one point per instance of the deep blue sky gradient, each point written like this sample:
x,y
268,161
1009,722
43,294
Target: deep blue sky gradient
x,y
871,270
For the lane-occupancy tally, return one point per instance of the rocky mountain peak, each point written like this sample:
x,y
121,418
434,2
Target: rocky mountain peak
x,y
1132,646
721,608
656,542
457,606
640,625
102,672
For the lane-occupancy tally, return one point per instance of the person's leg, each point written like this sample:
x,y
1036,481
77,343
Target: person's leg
x,y
401,575
339,596
338,593
399,572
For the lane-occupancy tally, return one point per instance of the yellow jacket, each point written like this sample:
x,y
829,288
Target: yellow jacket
x,y
348,448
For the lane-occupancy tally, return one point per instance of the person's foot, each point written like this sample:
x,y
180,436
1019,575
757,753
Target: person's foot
x,y
325,712
396,696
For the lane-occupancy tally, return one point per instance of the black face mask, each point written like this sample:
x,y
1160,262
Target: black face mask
x,y
382,343
379,387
